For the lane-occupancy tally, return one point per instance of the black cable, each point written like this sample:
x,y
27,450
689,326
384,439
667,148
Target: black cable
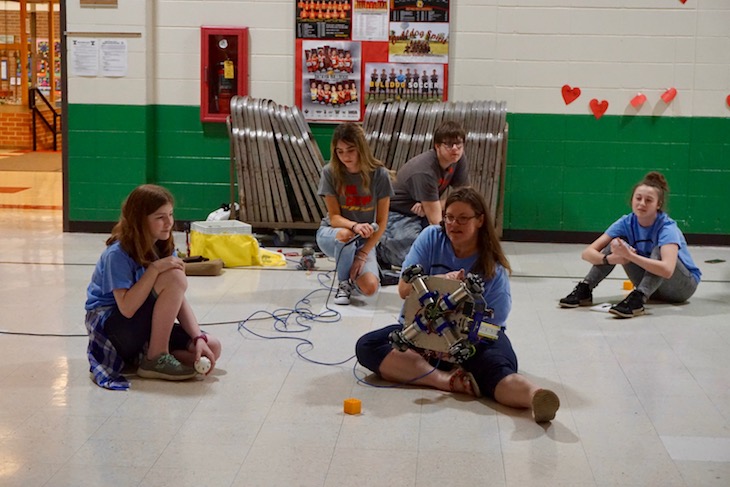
x,y
31,334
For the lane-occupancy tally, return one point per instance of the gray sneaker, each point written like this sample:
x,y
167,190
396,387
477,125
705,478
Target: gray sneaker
x,y
165,367
343,293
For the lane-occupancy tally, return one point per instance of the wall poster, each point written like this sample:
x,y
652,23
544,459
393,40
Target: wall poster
x,y
351,52
331,80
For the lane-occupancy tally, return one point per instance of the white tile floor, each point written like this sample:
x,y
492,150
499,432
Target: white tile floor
x,y
646,402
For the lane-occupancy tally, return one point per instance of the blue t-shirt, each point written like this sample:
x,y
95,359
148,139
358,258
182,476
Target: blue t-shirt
x,y
114,270
663,231
433,251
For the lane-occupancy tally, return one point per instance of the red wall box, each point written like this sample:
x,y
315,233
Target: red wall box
x,y
223,70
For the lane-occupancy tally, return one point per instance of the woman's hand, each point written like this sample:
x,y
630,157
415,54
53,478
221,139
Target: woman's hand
x,y
203,350
365,230
455,275
168,263
621,251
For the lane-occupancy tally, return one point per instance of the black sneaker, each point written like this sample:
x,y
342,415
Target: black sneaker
x,y
381,260
344,291
632,306
581,296
389,278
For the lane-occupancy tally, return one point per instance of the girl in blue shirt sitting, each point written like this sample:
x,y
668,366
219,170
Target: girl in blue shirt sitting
x,y
136,294
650,247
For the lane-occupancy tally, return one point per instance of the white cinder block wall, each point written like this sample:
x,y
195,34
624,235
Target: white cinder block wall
x,y
131,17
521,51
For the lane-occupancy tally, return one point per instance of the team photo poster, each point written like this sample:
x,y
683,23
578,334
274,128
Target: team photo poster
x,y
353,52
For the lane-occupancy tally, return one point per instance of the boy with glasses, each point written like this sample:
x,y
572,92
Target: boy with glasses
x,y
420,185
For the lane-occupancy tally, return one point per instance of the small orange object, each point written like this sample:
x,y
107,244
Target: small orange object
x,y
628,286
353,406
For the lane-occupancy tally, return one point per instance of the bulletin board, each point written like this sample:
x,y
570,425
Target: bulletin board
x,y
351,52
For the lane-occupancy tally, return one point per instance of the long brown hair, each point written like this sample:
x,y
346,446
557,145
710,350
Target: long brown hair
x,y
351,133
132,230
490,249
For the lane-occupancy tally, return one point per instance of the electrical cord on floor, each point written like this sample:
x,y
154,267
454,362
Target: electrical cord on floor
x,y
31,334
85,335
302,315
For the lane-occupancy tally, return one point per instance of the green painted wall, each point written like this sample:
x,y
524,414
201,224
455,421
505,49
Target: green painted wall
x,y
575,173
112,149
564,173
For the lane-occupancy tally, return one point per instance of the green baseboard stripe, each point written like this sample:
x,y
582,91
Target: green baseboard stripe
x,y
567,174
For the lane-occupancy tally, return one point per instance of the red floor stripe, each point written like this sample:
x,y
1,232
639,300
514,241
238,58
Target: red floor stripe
x,y
31,207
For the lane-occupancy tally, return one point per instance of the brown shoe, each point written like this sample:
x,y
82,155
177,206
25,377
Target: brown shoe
x,y
545,404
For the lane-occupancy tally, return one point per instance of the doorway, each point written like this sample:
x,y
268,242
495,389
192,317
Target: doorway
x,y
31,179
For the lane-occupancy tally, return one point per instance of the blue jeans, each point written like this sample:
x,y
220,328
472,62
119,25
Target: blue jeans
x,y
677,289
344,253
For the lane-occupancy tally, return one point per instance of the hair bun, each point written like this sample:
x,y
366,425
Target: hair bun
x,y
656,179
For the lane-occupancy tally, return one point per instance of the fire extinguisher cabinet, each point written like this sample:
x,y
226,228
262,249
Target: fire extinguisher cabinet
x,y
223,71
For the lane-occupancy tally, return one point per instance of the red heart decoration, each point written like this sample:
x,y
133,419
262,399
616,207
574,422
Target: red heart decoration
x,y
728,100
598,108
570,94
683,1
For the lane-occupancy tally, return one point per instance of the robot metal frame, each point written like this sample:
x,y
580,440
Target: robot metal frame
x,y
444,315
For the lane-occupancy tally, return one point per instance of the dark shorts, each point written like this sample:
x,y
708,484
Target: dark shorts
x,y
492,362
130,335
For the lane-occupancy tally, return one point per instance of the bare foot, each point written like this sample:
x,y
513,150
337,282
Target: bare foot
x,y
462,382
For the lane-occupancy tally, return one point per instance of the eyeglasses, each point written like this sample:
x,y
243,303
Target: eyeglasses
x,y
461,220
453,145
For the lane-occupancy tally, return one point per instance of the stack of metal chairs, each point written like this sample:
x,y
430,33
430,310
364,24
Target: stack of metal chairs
x,y
277,162
277,165
399,130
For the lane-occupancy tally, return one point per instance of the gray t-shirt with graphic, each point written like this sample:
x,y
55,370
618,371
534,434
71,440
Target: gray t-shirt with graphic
x,y
356,204
422,179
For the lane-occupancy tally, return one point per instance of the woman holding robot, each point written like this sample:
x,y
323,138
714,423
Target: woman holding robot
x,y
466,239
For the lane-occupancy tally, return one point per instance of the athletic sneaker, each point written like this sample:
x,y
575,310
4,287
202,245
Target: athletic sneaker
x,y
581,296
343,293
165,367
632,306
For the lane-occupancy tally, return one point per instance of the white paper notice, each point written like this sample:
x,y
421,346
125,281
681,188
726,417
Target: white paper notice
x,y
84,57
370,25
113,57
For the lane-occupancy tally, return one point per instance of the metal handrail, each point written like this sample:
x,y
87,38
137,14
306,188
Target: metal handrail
x,y
32,93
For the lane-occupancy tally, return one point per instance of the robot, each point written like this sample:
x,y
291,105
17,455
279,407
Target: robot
x,y
308,262
444,315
